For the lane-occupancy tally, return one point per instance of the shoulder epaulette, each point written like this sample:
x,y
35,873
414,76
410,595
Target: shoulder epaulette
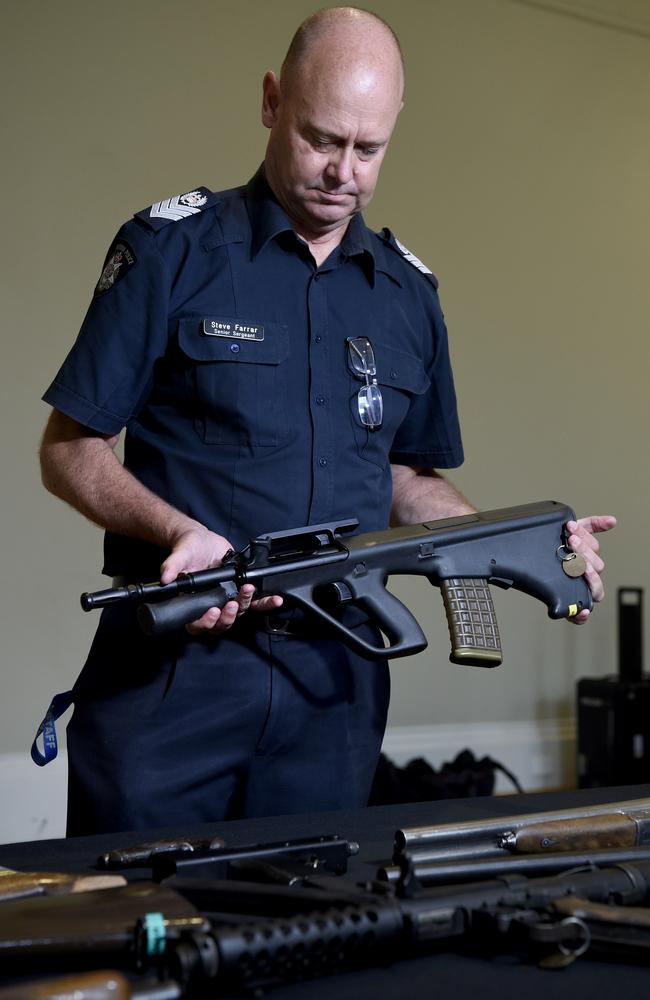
x,y
179,207
391,240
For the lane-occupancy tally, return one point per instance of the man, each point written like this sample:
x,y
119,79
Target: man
x,y
275,364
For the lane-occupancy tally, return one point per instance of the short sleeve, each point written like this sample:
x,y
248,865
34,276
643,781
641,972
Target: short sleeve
x,y
108,372
430,436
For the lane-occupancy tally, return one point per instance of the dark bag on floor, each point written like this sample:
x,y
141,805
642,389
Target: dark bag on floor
x,y
464,777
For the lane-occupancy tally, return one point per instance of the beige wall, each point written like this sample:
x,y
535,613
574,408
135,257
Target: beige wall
x,y
519,173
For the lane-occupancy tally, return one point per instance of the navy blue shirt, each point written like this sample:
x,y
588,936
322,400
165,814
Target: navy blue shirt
x,y
220,346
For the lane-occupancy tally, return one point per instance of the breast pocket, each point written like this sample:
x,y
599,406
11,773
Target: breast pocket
x,y
240,386
401,377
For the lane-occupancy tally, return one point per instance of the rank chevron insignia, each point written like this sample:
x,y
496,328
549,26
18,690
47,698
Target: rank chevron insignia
x,y
178,207
412,259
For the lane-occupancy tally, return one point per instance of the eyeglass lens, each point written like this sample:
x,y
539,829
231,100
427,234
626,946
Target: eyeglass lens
x,y
371,406
369,399
362,356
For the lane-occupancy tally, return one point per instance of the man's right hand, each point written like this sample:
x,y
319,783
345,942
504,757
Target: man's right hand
x,y
80,466
196,549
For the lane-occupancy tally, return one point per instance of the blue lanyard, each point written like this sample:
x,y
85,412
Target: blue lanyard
x,y
60,703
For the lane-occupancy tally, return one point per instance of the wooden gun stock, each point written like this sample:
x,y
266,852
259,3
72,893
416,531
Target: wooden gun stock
x,y
100,985
18,885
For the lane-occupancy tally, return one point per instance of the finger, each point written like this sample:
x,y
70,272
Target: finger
x,y
581,617
172,566
245,597
215,620
583,541
228,615
590,554
205,623
580,531
595,583
267,604
594,523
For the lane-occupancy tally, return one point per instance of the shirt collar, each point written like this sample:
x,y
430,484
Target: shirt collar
x,y
267,217
268,220
359,242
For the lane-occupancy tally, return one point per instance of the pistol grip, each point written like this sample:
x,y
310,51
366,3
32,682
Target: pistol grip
x,y
472,622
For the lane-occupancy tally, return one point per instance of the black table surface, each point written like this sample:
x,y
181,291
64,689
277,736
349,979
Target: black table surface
x,y
443,975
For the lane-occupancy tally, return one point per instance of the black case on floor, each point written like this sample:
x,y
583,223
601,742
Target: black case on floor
x,y
613,713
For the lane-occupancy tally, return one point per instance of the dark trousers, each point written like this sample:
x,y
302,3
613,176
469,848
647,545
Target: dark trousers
x,y
183,730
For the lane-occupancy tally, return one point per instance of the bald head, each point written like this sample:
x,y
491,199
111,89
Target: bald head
x,y
331,113
345,37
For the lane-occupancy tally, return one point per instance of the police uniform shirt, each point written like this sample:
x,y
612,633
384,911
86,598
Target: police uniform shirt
x,y
218,344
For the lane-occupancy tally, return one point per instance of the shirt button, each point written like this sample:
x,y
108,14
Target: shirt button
x,y
318,338
322,462
393,373
320,400
317,277
234,348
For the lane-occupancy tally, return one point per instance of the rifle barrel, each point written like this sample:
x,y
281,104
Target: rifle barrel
x,y
444,872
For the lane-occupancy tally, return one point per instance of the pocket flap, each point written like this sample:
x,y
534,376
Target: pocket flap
x,y
400,369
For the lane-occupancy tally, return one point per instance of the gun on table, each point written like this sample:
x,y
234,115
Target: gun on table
x,y
103,984
210,857
623,824
18,885
305,933
99,985
142,855
323,568
409,869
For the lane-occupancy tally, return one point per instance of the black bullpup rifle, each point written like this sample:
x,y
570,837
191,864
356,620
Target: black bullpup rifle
x,y
323,568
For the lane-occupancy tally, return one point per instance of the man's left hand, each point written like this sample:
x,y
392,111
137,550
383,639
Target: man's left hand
x,y
582,539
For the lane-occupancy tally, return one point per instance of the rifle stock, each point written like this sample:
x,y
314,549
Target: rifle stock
x,y
18,885
103,923
100,985
320,571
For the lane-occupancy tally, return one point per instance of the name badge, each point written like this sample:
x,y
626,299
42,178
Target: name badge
x,y
234,329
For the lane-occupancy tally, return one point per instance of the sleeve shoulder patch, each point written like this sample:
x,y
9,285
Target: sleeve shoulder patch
x,y
408,256
119,260
181,206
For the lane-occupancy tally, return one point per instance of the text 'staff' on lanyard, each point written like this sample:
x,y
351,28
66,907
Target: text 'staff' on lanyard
x,y
60,703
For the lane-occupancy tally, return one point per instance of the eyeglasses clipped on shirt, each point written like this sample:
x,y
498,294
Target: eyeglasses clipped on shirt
x,y
362,362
